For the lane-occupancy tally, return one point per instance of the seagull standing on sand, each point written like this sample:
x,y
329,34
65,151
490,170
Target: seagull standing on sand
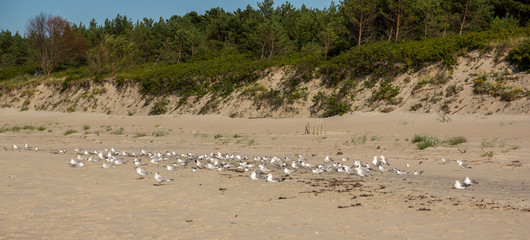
x,y
470,181
74,163
15,147
288,171
142,172
256,175
263,168
107,165
462,164
159,178
459,185
273,179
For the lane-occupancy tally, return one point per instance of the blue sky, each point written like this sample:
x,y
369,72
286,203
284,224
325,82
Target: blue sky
x,y
14,14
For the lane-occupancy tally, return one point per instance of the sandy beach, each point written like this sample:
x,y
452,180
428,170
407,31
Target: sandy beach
x,y
43,197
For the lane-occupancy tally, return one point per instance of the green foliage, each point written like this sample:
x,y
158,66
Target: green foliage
x,y
11,72
160,107
118,131
456,140
69,131
482,85
388,59
423,141
334,105
415,107
385,92
520,56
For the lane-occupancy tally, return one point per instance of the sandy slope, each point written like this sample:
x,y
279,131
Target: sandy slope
x,y
43,198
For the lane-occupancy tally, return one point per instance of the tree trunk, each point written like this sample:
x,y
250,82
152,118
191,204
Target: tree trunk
x,y
272,47
180,53
398,22
263,43
445,25
464,19
359,38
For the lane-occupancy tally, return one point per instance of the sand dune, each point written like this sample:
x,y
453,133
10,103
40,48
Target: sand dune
x,y
44,198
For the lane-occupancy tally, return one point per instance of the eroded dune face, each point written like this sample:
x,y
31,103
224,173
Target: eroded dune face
x,y
45,197
478,84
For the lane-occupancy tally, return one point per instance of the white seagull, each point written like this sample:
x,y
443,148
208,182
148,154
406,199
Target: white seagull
x,y
288,171
142,172
15,147
159,178
273,179
263,168
459,185
107,165
470,181
256,175
462,164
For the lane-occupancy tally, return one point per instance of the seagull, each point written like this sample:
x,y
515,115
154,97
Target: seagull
x,y
459,185
61,151
159,178
462,164
15,147
328,159
375,162
263,168
273,179
418,173
27,147
256,175
295,165
74,163
36,148
381,168
172,167
444,160
107,165
383,160
361,172
137,162
288,171
470,181
142,172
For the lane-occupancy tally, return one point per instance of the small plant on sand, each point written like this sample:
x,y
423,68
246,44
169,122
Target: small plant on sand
x,y
456,140
217,136
86,127
137,135
488,154
118,131
69,131
159,107
495,142
423,141
159,133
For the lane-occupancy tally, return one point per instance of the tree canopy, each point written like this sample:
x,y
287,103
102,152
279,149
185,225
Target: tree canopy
x,y
265,32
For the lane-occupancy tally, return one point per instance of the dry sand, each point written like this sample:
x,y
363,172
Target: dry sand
x,y
44,198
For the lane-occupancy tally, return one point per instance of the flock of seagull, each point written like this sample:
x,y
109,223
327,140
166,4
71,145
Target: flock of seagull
x,y
259,166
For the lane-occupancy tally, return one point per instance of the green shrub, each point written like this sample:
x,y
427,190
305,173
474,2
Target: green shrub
x,y
520,56
159,107
456,140
69,131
